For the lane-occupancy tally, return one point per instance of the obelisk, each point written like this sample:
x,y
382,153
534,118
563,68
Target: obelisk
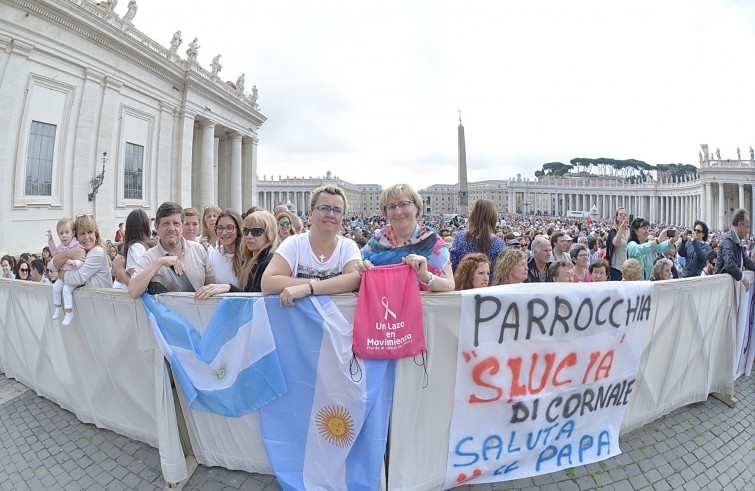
x,y
463,189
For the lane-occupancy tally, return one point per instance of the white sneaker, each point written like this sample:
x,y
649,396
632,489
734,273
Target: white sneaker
x,y
58,312
67,319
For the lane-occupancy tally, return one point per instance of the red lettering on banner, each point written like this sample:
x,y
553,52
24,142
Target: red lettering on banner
x,y
491,365
569,361
593,358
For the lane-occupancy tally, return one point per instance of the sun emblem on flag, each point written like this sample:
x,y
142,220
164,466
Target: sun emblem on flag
x,y
335,425
220,373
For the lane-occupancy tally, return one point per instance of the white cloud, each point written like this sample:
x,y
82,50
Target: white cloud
x,y
371,92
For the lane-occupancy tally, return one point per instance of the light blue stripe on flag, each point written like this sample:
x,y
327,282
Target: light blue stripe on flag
x,y
329,431
233,369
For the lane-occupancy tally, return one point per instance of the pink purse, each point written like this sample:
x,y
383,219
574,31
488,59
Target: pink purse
x,y
388,317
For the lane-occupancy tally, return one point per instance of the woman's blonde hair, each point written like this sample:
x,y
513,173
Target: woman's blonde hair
x,y
266,220
203,226
396,190
505,263
87,223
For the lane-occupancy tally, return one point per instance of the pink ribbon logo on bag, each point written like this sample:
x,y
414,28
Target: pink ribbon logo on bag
x,y
384,303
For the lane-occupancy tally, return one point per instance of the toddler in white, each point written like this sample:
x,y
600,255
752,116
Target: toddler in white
x,y
60,289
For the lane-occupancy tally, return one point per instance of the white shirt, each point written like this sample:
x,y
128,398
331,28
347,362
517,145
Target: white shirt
x,y
222,264
298,253
135,251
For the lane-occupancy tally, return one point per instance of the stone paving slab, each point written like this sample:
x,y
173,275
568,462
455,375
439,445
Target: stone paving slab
x,y
705,446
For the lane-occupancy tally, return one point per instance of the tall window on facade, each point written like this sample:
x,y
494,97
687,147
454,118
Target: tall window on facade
x,y
39,159
133,170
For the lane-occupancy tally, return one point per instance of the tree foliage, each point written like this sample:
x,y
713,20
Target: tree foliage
x,y
631,170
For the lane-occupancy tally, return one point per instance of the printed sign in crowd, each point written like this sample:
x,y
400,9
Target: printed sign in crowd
x,y
544,376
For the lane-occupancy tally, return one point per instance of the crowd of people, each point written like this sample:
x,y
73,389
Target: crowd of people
x,y
326,250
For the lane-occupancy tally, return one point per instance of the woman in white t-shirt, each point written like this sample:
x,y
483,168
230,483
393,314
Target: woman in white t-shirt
x,y
136,242
318,262
228,258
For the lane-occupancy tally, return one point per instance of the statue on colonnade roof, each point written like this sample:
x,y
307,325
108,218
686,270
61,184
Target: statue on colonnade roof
x,y
193,50
131,13
216,66
176,41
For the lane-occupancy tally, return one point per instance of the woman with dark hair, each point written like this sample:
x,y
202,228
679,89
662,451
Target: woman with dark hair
x,y
694,247
137,239
22,270
226,259
46,255
260,242
480,235
7,264
472,272
639,248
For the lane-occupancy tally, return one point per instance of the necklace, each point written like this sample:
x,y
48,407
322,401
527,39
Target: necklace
x,y
325,253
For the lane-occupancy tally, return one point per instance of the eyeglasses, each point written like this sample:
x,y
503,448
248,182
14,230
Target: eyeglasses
x,y
325,209
699,231
582,255
284,223
228,228
255,231
401,204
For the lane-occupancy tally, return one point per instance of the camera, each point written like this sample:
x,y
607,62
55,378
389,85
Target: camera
x,y
671,233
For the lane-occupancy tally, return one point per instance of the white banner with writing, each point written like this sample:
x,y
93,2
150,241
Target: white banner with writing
x,y
544,375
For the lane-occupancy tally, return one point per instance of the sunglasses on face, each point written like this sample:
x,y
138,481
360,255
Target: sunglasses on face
x,y
284,223
255,231
24,270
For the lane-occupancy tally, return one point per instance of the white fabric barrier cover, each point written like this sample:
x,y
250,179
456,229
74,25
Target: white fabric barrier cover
x,y
105,367
109,371
690,351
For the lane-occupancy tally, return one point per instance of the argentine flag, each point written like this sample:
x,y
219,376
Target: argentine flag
x,y
329,431
233,369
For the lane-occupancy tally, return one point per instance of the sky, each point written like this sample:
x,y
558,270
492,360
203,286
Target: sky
x,y
371,91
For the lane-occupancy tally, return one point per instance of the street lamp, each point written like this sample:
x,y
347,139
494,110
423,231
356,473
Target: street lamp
x,y
96,181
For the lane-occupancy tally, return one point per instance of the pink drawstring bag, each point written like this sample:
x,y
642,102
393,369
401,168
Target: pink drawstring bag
x,y
388,316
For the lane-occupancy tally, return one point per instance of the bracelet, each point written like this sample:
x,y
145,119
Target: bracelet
x,y
311,288
429,282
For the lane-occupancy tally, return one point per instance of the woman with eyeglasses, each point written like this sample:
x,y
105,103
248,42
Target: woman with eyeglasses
x,y
405,241
580,257
694,248
260,240
639,248
227,258
319,261
208,237
285,226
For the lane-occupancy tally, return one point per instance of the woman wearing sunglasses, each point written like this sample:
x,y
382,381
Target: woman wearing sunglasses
x,y
694,248
318,261
259,241
22,271
285,226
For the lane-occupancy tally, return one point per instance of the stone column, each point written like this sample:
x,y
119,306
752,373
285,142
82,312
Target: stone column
x,y
249,173
742,198
223,171
708,206
206,170
162,176
721,210
235,174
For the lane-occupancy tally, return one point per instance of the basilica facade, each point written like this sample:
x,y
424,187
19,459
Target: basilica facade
x,y
100,119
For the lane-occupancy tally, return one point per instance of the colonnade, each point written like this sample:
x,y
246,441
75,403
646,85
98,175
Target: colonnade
x,y
224,163
270,199
678,204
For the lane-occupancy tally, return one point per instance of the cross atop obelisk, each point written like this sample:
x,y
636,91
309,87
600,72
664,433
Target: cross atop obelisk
x,y
463,189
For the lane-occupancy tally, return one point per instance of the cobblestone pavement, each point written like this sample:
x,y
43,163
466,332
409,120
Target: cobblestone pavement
x,y
702,446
